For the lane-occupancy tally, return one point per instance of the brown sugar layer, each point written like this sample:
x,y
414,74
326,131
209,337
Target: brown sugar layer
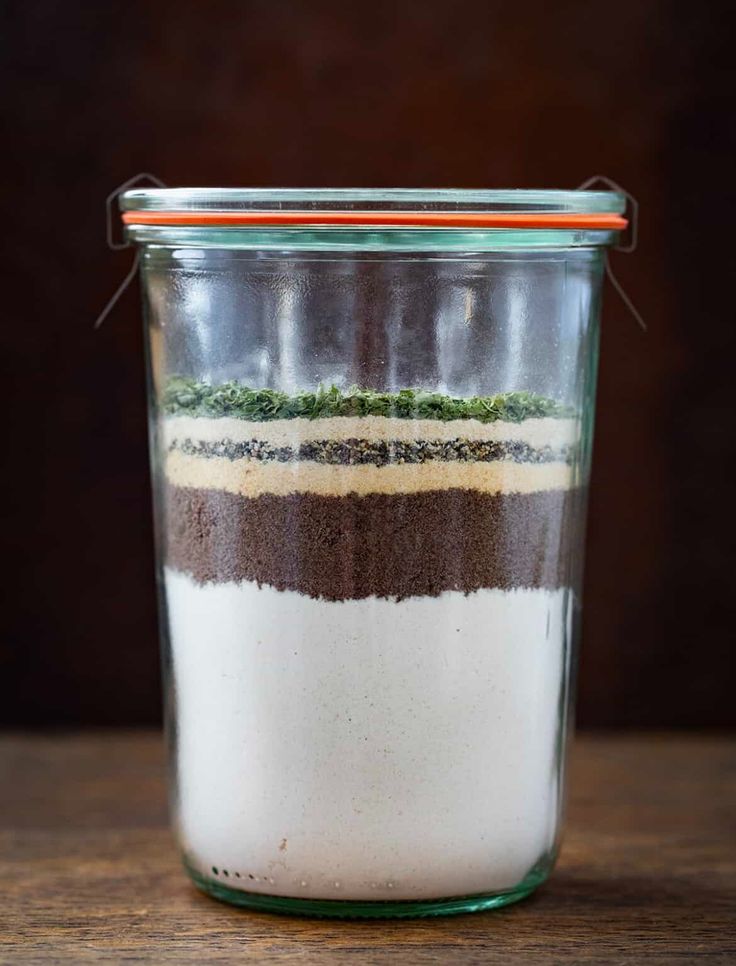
x,y
254,478
393,545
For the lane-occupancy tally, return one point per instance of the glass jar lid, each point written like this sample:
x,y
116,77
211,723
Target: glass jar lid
x,y
372,217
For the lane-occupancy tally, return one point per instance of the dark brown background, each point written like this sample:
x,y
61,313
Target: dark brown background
x,y
262,92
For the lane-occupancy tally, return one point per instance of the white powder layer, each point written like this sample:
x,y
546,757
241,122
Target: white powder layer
x,y
548,431
366,749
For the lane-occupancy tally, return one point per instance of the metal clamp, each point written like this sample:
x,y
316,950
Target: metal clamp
x,y
116,245
113,197
629,246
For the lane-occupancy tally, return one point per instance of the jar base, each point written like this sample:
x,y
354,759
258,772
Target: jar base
x,y
358,909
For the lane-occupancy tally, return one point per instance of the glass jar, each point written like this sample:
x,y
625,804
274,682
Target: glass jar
x,y
371,418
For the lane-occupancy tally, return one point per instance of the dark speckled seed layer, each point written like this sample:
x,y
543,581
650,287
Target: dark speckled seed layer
x,y
356,452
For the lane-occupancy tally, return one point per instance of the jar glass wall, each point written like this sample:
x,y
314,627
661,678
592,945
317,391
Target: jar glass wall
x,y
370,458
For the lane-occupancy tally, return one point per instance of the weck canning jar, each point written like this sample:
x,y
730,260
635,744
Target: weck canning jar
x,y
371,418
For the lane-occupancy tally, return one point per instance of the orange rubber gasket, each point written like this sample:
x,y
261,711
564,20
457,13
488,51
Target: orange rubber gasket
x,y
409,219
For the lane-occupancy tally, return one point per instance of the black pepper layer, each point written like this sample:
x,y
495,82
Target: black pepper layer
x,y
362,452
383,545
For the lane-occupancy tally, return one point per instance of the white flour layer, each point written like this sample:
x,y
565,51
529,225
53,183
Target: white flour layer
x,y
367,749
548,431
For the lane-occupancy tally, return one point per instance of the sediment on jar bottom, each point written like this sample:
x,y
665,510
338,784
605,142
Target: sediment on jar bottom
x,y
366,749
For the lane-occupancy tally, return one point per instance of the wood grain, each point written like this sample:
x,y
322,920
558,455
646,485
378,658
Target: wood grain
x,y
89,872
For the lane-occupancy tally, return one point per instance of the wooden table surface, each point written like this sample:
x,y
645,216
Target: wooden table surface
x,y
89,873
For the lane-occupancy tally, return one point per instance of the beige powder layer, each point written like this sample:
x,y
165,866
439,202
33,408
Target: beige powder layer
x,y
293,432
250,478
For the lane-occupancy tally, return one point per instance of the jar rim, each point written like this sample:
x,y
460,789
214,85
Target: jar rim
x,y
374,207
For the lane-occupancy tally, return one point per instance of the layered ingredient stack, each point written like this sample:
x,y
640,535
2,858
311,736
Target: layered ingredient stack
x,y
368,605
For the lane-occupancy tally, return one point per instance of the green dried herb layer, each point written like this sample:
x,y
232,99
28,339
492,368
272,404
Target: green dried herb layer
x,y
189,397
